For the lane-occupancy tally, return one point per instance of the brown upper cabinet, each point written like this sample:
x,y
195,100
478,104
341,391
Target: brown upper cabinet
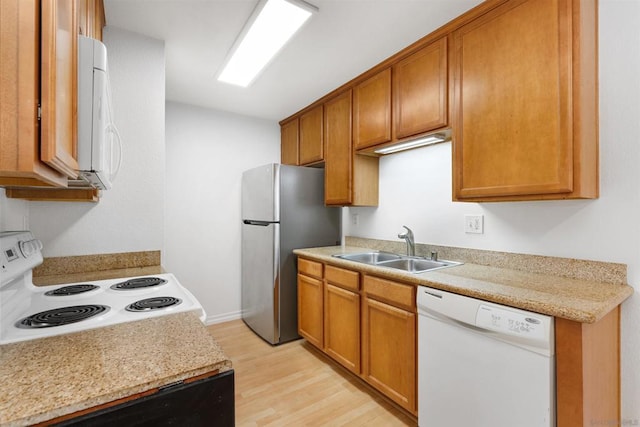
x,y
350,179
90,18
372,111
289,143
338,167
311,140
58,144
417,88
525,124
420,91
514,82
38,92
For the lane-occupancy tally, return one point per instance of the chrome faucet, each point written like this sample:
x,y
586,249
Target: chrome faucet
x,y
408,237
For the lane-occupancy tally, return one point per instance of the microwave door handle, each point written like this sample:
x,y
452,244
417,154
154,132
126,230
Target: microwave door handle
x,y
118,142
111,128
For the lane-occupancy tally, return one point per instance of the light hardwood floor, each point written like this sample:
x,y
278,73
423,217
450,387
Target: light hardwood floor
x,y
293,384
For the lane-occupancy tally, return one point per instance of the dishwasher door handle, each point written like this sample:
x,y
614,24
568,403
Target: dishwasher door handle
x,y
422,311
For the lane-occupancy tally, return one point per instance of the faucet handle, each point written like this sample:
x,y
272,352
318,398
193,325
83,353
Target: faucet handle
x,y
407,233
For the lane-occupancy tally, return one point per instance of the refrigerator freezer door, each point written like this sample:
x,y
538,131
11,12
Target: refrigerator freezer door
x,y
261,279
261,193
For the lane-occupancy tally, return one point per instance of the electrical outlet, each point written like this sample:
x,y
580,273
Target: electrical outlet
x,y
474,224
355,219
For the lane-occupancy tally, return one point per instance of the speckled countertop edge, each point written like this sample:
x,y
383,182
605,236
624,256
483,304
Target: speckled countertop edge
x,y
580,300
47,378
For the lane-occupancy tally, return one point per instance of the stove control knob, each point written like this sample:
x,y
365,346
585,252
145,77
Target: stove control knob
x,y
30,247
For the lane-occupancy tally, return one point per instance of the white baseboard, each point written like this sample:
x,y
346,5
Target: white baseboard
x,y
225,317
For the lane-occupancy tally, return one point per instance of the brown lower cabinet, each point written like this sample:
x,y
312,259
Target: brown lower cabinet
x,y
310,298
389,357
342,316
366,324
588,372
369,325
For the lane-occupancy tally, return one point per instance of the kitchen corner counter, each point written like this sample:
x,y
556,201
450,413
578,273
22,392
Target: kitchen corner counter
x,y
47,378
580,300
51,377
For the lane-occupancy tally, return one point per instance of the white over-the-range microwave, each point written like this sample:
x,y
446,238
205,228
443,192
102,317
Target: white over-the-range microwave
x,y
99,146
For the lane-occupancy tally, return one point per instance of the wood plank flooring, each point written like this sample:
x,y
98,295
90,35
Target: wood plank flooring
x,y
293,384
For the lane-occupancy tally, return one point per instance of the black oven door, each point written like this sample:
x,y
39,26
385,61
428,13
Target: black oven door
x,y
206,402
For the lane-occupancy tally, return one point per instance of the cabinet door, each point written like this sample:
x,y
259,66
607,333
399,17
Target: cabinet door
x,y
311,139
338,187
389,351
289,143
96,18
82,13
20,163
372,111
420,91
342,326
514,115
58,147
310,324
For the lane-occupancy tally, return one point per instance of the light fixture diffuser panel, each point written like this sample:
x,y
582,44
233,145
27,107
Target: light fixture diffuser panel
x,y
407,145
271,25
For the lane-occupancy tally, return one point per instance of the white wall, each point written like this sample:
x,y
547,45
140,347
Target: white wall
x,y
415,190
130,216
14,213
207,151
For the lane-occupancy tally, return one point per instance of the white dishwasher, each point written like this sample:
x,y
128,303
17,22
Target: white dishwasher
x,y
483,364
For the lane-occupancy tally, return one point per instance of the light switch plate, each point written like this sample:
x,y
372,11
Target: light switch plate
x,y
474,224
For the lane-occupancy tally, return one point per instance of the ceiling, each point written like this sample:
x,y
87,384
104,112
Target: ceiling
x,y
342,40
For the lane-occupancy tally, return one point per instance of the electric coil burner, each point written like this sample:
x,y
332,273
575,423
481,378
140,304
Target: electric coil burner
x,y
72,290
29,312
138,282
61,316
153,303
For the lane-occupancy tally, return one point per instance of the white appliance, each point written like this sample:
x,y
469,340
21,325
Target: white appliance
x,y
99,146
29,312
282,209
482,364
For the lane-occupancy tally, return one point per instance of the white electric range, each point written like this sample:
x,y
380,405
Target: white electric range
x,y
29,312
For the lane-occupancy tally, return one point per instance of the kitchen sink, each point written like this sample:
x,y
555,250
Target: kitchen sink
x,y
400,262
416,265
370,257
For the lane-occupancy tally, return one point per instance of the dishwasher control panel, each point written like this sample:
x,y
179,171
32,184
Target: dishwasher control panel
x,y
509,322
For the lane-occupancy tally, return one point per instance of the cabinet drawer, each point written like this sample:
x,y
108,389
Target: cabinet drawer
x,y
344,278
310,268
393,292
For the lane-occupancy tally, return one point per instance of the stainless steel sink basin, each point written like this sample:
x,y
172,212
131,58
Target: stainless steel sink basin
x,y
370,257
415,265
399,262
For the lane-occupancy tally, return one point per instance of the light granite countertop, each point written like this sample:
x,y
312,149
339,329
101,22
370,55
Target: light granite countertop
x,y
47,378
581,300
50,377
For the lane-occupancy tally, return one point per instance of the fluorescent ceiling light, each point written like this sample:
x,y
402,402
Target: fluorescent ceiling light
x,y
427,140
271,25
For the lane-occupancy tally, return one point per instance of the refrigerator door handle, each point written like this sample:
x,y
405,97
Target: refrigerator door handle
x,y
260,223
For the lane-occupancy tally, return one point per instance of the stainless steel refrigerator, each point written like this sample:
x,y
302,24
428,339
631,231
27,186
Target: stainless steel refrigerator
x,y
282,209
